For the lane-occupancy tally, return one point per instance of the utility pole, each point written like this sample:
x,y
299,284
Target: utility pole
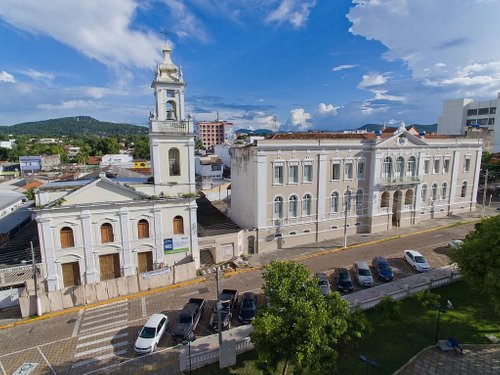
x,y
38,302
219,307
484,192
347,200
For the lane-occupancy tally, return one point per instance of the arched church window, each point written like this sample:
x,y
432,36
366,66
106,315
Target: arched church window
x,y
107,233
143,229
171,110
67,238
178,225
174,162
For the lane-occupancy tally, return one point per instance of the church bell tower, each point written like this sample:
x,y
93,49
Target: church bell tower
x,y
171,134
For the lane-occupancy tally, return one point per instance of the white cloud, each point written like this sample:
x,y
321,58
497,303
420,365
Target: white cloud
x,y
382,95
36,75
326,109
373,79
437,50
185,24
100,29
299,119
296,12
70,104
7,77
343,67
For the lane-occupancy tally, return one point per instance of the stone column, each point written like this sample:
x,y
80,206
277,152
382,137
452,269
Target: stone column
x,y
321,199
159,234
454,183
475,182
47,247
90,275
128,266
155,161
193,235
261,198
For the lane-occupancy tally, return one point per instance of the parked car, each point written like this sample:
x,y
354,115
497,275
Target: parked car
x,y
455,244
382,268
248,308
416,260
228,298
323,283
188,320
151,334
343,280
363,274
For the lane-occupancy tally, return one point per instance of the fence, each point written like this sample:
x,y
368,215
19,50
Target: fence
x,y
18,275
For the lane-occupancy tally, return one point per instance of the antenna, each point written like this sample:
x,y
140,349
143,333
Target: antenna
x,y
217,118
165,33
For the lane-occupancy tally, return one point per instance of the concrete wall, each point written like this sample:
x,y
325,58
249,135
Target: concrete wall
x,y
91,293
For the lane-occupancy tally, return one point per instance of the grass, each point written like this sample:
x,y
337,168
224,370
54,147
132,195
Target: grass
x,y
392,346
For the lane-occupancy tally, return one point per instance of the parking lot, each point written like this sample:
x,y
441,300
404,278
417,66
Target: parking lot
x,y
98,338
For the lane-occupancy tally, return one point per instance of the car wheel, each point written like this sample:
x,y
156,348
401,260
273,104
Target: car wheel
x,y
415,268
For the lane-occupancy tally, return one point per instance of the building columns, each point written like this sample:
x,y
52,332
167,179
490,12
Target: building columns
x,y
90,275
128,267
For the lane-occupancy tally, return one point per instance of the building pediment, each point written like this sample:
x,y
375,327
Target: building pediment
x,y
402,139
101,190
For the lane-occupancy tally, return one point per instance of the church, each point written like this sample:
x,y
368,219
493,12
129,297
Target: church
x,y
93,230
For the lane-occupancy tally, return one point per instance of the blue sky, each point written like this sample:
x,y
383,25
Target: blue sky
x,y
290,64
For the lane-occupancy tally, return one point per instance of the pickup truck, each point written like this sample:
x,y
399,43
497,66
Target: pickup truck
x,y
188,320
228,298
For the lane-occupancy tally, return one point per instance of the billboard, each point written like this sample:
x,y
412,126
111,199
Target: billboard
x,y
178,244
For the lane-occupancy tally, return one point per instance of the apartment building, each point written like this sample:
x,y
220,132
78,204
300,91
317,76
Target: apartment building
x,y
299,188
458,114
212,132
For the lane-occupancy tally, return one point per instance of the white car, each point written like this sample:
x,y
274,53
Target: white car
x,y
151,334
455,244
416,260
363,274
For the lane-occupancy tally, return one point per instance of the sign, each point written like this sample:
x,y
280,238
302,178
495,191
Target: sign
x,y
163,271
25,369
179,244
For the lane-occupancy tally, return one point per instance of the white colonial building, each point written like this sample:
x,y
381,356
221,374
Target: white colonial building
x,y
100,229
298,188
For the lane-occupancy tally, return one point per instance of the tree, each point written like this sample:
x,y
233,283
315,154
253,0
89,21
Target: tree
x,y
479,258
390,310
299,326
486,157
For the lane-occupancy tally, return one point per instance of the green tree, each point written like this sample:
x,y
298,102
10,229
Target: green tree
x,y
141,149
299,326
479,258
486,157
390,310
108,145
199,145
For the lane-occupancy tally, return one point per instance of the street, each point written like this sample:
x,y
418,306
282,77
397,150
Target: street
x,y
91,339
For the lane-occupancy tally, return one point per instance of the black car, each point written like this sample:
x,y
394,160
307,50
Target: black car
x,y
382,269
248,308
343,280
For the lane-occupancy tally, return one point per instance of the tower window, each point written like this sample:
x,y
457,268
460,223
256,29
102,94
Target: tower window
x,y
174,162
178,225
67,239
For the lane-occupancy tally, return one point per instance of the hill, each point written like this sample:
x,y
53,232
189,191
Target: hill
x,y
69,126
427,128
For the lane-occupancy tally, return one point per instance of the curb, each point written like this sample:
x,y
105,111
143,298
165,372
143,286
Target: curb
x,y
226,275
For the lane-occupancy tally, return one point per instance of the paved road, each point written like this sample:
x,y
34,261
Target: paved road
x,y
96,338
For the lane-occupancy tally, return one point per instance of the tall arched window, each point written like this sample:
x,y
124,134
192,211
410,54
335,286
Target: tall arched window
x,y
409,197
107,233
387,168
171,110
292,206
463,191
67,238
174,164
411,167
306,205
359,202
178,225
423,192
400,168
384,201
444,188
434,191
143,229
335,202
347,200
278,208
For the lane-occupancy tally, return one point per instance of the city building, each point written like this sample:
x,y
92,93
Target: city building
x,y
99,228
299,188
212,133
458,114
37,163
120,160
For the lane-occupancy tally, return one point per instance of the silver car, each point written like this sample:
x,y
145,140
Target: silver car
x,y
363,274
323,283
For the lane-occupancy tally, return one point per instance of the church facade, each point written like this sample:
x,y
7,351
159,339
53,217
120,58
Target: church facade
x,y
105,228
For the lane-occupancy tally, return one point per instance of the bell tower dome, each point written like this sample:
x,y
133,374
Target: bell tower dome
x,y
170,132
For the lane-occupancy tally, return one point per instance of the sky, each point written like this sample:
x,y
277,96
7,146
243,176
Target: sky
x,y
289,65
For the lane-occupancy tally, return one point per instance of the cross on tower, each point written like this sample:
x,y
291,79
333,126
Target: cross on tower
x,y
166,33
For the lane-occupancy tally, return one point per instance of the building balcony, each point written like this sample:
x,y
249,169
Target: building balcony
x,y
169,126
399,180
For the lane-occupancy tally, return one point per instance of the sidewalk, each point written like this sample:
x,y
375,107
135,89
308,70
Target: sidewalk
x,y
261,259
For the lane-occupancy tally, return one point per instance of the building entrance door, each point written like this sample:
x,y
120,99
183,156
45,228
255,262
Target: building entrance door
x,y
110,266
397,202
145,261
71,274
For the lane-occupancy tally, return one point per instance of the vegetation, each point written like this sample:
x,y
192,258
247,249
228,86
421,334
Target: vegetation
x,y
390,311
479,259
393,346
306,336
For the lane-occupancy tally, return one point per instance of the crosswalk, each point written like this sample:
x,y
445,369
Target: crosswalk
x,y
103,334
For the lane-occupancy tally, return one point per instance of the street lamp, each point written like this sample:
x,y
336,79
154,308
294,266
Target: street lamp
x,y
188,343
369,362
441,309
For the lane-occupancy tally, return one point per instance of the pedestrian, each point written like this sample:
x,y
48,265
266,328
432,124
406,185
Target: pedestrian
x,y
453,342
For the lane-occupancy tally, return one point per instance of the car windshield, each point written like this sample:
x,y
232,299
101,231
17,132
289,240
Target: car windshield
x,y
343,276
363,272
248,304
420,259
185,319
148,333
384,266
323,282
